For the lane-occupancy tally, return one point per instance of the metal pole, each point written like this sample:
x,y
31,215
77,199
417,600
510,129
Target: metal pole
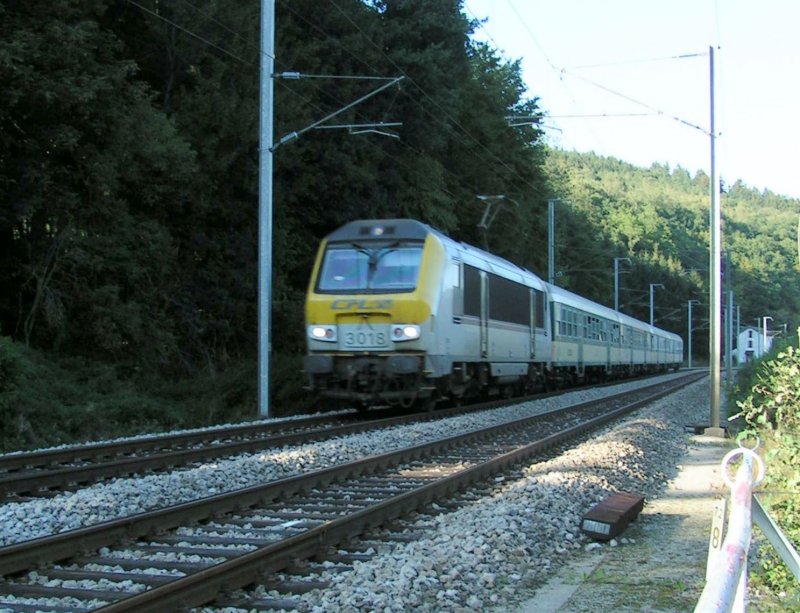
x,y
738,323
653,285
766,344
616,280
715,268
551,240
689,331
729,333
265,203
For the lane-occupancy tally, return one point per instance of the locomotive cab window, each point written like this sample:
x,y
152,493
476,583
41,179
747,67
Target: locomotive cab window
x,y
370,269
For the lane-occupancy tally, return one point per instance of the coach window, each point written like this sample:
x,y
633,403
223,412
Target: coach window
x,y
595,328
472,291
565,322
509,301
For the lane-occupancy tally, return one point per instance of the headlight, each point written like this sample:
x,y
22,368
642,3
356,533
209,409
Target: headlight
x,y
322,333
405,332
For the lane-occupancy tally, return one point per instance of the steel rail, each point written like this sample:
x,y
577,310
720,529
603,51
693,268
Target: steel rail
x,y
156,457
89,451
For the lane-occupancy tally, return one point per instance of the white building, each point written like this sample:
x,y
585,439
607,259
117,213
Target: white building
x,y
751,344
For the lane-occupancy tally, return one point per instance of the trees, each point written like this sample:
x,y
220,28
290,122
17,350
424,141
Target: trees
x,y
130,163
88,166
658,218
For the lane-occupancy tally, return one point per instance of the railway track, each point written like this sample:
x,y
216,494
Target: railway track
x,y
47,472
43,473
191,553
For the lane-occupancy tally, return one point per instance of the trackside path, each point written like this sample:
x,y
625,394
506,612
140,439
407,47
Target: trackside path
x,y
659,563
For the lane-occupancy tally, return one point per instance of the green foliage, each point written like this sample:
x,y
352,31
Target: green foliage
x,y
658,217
773,404
90,173
771,410
14,374
44,402
130,164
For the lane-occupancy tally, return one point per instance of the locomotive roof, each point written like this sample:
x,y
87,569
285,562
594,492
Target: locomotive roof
x,y
411,229
381,229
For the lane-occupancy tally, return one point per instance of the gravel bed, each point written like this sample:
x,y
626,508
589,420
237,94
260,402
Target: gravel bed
x,y
488,555
157,435
121,497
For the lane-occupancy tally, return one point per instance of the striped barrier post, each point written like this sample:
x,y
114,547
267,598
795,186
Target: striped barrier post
x,y
727,583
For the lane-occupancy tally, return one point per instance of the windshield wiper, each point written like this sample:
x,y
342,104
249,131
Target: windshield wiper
x,y
375,255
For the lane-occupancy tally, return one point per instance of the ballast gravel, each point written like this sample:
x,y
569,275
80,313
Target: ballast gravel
x,y
489,554
127,496
476,558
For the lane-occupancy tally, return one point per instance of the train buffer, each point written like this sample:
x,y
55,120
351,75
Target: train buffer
x,y
611,516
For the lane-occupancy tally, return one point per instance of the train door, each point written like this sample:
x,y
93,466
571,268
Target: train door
x,y
533,301
631,344
474,289
457,283
484,315
581,319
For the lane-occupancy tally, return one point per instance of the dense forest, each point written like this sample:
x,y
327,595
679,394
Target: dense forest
x,y
129,173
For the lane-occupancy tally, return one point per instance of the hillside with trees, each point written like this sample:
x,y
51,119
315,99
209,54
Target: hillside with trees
x,y
659,218
129,174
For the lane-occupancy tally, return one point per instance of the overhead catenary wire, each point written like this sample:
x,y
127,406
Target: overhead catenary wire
x,y
639,102
360,60
550,63
445,116
442,110
637,61
191,33
565,71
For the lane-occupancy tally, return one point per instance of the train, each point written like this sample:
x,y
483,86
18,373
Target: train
x,y
398,313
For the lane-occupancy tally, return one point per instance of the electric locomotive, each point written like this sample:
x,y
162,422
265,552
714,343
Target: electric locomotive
x,y
396,310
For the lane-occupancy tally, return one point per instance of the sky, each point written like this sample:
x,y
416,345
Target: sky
x,y
613,77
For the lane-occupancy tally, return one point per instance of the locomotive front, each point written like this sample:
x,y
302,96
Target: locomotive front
x,y
372,292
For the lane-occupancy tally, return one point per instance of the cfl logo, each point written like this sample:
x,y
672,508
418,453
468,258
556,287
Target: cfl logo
x,y
361,305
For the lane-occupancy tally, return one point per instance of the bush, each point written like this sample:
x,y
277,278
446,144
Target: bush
x,y
771,411
14,373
